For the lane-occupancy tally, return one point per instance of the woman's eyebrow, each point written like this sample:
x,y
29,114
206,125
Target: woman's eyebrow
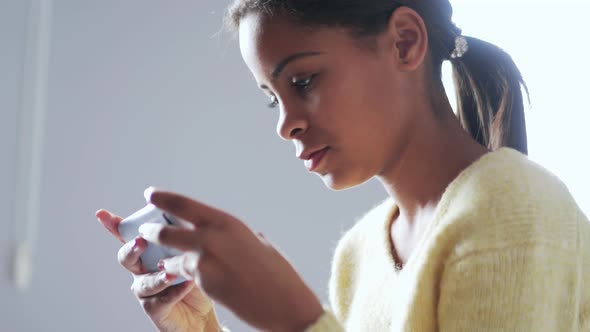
x,y
283,63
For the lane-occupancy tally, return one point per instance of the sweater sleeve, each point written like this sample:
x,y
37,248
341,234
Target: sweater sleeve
x,y
326,323
521,288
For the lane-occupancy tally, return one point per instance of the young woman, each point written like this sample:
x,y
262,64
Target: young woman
x,y
473,236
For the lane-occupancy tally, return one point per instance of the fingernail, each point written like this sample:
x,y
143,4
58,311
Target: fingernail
x,y
166,278
161,265
149,231
148,193
96,214
135,247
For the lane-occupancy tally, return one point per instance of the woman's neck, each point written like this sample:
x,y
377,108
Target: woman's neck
x,y
434,156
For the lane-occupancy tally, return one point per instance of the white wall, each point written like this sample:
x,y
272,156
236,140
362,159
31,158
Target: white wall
x,y
146,93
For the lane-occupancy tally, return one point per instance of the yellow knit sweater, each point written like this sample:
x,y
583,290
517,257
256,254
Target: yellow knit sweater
x,y
507,250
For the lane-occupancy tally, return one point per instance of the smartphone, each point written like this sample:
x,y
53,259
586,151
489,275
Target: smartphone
x,y
129,229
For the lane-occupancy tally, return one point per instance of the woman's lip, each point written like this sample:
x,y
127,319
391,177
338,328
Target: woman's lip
x,y
315,159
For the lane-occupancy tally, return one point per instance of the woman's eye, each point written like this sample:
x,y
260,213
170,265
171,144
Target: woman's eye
x,y
273,102
303,84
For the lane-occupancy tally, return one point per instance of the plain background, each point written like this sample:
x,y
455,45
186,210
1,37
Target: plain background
x,y
149,92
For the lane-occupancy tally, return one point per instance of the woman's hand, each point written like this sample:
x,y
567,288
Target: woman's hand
x,y
183,307
232,265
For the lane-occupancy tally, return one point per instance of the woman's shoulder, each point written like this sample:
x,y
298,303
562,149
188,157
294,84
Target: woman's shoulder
x,y
509,174
505,199
507,179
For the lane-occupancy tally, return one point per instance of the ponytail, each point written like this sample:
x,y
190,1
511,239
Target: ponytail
x,y
489,99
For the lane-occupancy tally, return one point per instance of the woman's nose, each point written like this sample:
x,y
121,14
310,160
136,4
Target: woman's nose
x,y
291,125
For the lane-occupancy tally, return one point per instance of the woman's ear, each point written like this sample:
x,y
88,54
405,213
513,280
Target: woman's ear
x,y
410,38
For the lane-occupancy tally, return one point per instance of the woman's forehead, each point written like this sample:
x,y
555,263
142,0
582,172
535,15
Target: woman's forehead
x,y
265,41
262,34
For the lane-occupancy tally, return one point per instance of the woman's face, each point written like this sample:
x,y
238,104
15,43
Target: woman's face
x,y
334,92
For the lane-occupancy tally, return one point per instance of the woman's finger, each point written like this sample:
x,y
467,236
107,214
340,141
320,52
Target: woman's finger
x,y
150,284
201,268
168,296
175,237
110,222
185,265
186,208
129,255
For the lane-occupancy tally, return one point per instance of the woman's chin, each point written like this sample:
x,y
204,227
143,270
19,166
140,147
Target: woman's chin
x,y
335,183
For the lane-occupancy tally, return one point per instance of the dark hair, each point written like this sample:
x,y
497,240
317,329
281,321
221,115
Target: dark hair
x,y
487,81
